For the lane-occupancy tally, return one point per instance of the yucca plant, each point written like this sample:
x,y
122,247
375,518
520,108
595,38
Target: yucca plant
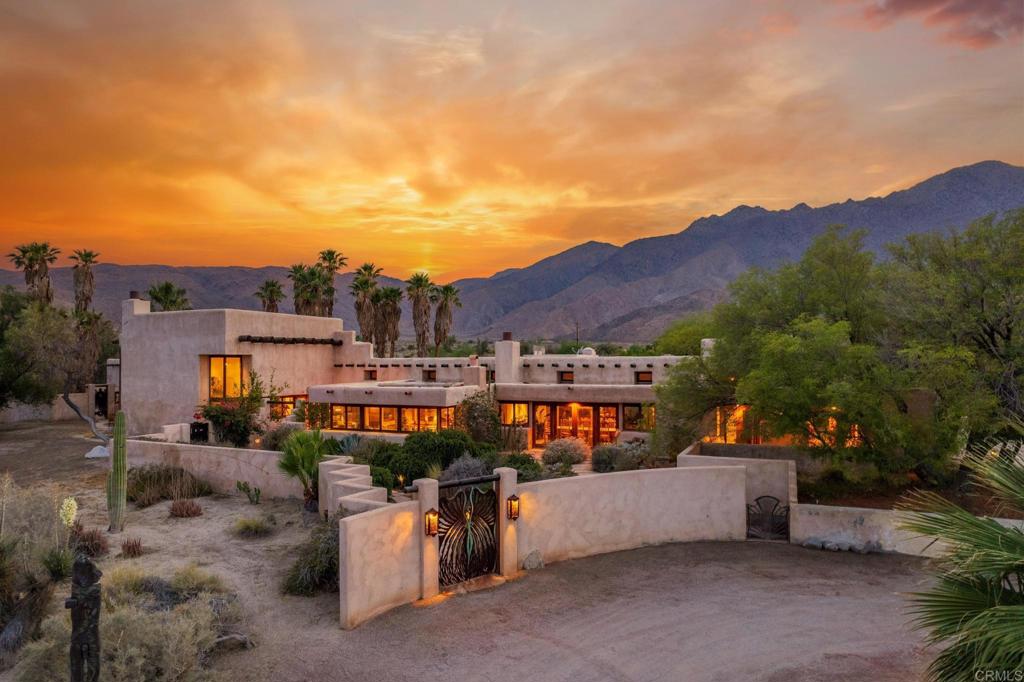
x,y
975,610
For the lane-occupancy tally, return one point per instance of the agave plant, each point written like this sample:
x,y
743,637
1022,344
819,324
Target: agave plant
x,y
300,459
975,610
419,290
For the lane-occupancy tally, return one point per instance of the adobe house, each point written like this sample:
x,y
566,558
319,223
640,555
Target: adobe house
x,y
173,362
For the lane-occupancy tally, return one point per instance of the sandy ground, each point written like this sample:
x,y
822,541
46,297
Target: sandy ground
x,y
49,452
699,611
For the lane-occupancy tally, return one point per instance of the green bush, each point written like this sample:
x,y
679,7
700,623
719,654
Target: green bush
x,y
275,438
603,458
383,477
488,453
477,415
316,568
152,483
407,468
529,468
375,452
442,446
566,451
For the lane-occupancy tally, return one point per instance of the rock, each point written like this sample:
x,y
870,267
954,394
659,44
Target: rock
x,y
533,561
831,546
98,452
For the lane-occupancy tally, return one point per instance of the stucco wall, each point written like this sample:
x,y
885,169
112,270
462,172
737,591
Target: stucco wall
x,y
805,462
854,528
773,477
381,566
220,467
575,517
55,411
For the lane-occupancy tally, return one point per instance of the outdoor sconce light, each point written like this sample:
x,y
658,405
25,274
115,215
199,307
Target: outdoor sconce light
x,y
512,507
430,521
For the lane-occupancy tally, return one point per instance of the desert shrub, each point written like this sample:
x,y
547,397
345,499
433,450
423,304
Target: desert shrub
x,y
441,446
407,468
375,452
434,470
153,483
253,527
185,509
631,458
316,568
131,548
348,443
465,467
274,438
191,580
92,542
251,493
57,561
529,468
477,415
150,630
30,521
383,477
602,459
559,470
566,451
513,438
237,420
487,453
300,459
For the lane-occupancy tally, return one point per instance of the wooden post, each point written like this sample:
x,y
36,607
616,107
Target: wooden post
x,y
85,620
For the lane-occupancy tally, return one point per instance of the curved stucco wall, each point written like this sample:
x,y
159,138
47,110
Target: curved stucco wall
x,y
567,518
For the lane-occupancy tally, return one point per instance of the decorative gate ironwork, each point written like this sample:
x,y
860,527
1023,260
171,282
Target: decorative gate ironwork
x,y
768,519
467,531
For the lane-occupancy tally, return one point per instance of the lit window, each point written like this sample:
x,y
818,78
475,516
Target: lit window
x,y
428,419
225,377
371,418
447,417
638,417
337,416
566,377
352,417
389,418
514,414
643,377
409,422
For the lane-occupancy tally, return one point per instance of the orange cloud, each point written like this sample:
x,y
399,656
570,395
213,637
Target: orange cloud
x,y
462,141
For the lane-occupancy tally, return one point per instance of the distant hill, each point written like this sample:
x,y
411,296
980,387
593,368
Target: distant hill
x,y
627,293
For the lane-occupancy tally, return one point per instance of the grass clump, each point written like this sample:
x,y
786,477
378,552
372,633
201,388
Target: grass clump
x,y
131,548
57,562
151,629
92,542
185,509
253,527
153,483
316,568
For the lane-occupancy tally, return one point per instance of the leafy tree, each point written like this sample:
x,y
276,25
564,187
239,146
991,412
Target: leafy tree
x,y
683,337
84,282
169,296
24,376
34,259
270,294
419,291
447,299
975,608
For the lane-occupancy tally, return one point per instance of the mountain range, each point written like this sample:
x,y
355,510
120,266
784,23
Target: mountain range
x,y
618,293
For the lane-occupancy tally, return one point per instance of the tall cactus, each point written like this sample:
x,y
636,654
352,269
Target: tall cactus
x,y
117,482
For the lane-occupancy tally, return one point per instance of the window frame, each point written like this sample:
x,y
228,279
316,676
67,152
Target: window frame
x,y
210,397
566,376
644,382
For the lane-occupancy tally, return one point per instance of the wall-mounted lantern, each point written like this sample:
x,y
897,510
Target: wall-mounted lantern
x,y
512,507
430,521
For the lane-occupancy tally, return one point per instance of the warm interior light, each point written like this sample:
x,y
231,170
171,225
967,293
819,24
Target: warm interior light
x,y
512,507
430,522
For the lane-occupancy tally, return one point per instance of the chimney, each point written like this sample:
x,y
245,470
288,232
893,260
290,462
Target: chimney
x,y
506,336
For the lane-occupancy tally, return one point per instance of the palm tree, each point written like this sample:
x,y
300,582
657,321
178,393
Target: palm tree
x,y
364,283
447,299
311,287
419,291
85,285
976,606
300,458
169,296
331,261
270,294
387,308
35,259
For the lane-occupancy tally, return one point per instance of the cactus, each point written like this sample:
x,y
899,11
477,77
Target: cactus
x,y
117,482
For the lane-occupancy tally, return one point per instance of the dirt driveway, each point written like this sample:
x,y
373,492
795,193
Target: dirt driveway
x,y
49,452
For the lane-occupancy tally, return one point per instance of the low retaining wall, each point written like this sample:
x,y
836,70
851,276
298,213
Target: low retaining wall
x,y
56,411
854,528
220,467
775,477
567,518
348,487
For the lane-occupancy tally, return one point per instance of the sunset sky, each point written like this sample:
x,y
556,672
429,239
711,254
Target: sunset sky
x,y
467,137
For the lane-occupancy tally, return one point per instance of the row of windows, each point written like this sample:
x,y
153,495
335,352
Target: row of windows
x,y
569,377
388,418
635,417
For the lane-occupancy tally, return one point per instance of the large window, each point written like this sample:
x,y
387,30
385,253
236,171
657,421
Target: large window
x,y
638,417
225,377
284,405
391,418
514,414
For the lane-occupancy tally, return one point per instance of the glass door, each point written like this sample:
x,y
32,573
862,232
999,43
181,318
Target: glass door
x,y
585,424
564,421
541,425
608,423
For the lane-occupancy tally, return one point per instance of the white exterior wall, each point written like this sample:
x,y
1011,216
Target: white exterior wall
x,y
594,369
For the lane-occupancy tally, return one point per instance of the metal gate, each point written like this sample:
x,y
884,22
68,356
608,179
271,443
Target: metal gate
x,y
467,529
